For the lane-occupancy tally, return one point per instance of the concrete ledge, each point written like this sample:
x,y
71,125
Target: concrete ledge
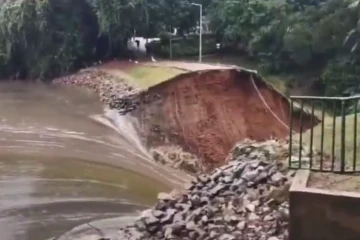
x,y
317,214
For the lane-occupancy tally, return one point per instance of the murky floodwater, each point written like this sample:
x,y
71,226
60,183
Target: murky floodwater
x,y
64,164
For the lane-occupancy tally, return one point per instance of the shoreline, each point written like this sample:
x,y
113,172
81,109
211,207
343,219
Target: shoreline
x,y
165,137
119,95
107,92
245,198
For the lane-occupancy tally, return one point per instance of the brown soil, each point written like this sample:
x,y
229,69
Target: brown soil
x,y
207,112
335,182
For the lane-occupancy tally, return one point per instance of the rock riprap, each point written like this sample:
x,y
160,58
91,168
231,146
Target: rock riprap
x,y
176,157
244,199
115,92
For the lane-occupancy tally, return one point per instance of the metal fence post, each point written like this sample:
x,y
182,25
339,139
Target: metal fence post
x,y
343,126
339,163
333,137
355,134
322,135
301,133
290,134
312,133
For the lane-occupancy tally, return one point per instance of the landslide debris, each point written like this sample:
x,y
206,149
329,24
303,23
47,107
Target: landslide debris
x,y
245,199
204,113
207,112
177,158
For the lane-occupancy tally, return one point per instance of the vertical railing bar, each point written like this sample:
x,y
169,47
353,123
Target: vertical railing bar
x,y
323,165
333,136
322,135
290,133
301,133
355,134
312,133
343,124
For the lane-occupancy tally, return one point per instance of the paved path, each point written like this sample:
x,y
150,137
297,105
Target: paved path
x,y
188,66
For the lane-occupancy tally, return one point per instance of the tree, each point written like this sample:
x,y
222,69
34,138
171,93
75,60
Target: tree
x,y
238,21
296,35
46,38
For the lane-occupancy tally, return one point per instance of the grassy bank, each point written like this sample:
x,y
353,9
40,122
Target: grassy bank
x,y
277,81
142,76
328,137
145,76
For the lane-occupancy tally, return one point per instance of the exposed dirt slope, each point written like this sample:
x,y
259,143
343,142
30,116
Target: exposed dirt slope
x,y
207,112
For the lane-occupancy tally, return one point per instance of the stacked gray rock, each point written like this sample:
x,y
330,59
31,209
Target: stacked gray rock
x,y
116,93
176,157
124,104
130,101
245,199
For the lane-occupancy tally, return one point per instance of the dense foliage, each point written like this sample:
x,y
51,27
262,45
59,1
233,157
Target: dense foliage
x,y
46,38
296,36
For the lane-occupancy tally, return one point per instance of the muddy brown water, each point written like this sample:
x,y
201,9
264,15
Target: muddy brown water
x,y
67,167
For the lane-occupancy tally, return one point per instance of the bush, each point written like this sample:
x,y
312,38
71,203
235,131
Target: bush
x,y
341,77
183,47
43,39
296,36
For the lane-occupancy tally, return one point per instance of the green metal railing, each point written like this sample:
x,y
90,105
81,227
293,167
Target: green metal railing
x,y
315,159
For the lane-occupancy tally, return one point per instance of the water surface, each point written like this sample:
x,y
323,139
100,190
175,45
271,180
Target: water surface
x,y
64,163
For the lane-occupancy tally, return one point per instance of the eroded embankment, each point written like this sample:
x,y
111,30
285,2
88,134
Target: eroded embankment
x,y
207,112
245,199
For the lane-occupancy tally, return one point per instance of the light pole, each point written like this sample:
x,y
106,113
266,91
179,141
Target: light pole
x,y
200,29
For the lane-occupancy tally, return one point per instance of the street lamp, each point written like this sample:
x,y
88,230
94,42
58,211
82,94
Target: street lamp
x,y
200,29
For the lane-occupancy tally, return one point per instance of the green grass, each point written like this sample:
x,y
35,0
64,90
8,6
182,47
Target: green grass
x,y
328,133
277,82
145,76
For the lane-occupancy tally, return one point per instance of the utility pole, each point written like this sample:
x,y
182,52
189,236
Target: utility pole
x,y
200,29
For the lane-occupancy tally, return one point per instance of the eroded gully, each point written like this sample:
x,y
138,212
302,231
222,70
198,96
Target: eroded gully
x,y
68,167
